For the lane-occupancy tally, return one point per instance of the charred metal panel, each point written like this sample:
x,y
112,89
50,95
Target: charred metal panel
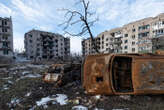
x,y
96,74
124,74
61,74
54,73
148,75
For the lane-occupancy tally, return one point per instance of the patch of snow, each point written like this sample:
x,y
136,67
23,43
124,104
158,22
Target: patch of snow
x,y
44,101
32,76
5,87
25,72
10,82
6,78
29,76
62,99
18,67
28,94
79,107
37,66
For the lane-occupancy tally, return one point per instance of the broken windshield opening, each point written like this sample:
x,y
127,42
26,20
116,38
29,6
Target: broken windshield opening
x,y
122,74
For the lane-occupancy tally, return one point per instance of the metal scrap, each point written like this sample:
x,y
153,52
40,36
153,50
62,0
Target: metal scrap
x,y
61,74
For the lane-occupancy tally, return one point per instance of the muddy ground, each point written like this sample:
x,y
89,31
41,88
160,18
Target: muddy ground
x,y
22,88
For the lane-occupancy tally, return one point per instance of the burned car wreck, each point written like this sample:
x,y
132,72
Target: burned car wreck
x,y
61,74
124,74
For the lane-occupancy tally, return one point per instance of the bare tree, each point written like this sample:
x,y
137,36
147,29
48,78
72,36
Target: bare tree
x,y
83,18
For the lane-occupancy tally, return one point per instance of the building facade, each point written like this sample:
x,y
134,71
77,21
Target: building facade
x,y
6,37
135,37
46,45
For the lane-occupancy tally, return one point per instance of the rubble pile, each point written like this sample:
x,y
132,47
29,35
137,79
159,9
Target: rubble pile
x,y
22,88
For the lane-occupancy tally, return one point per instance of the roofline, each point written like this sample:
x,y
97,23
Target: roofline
x,y
36,30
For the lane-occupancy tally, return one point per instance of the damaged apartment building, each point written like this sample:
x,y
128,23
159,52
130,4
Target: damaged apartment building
x,y
136,37
6,37
46,45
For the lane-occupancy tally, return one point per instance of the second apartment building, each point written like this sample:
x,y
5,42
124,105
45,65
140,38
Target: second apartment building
x,y
46,45
6,37
135,37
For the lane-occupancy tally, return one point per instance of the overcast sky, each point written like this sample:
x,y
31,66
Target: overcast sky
x,y
45,15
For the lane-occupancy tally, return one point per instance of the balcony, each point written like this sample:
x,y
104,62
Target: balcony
x,y
118,47
158,26
5,33
3,40
118,35
5,48
118,41
158,35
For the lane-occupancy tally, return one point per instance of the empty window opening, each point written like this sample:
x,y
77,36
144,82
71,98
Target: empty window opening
x,y
99,79
122,74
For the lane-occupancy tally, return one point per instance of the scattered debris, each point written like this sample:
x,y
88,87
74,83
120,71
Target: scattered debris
x,y
97,97
122,109
50,78
79,107
98,109
14,102
125,97
76,101
32,93
25,72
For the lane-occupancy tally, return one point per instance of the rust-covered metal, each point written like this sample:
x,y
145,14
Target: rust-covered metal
x,y
61,74
54,73
124,74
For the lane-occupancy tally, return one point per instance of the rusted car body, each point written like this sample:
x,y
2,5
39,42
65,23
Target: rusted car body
x,y
111,74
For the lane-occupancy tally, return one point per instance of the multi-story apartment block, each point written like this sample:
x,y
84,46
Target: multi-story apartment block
x,y
6,37
46,45
135,37
104,44
116,40
86,47
107,42
158,43
158,32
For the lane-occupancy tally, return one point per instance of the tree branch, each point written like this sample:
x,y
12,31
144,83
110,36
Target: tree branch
x,y
83,18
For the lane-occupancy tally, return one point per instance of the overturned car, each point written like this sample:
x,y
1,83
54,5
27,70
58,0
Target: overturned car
x,y
124,74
